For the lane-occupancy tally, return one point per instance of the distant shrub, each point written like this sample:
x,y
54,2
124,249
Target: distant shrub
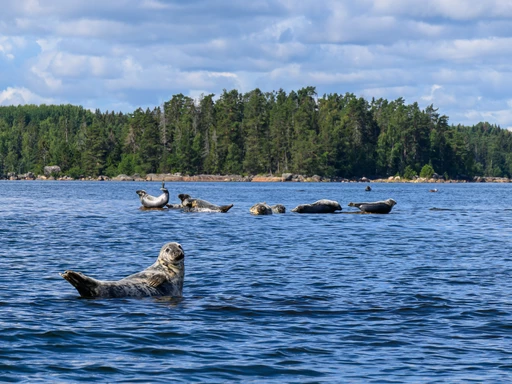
x,y
75,172
427,171
409,173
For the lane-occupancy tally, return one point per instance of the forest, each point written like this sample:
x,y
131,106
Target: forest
x,y
254,133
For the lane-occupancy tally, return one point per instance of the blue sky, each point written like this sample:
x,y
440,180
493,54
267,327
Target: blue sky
x,y
124,54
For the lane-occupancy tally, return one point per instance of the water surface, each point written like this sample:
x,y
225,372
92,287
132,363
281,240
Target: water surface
x,y
419,295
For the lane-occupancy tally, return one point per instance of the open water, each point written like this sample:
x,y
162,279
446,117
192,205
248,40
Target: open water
x,y
418,295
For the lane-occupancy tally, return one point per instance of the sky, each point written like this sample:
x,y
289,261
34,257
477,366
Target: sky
x,y
119,55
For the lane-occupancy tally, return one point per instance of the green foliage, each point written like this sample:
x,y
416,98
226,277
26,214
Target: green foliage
x,y
409,173
333,135
427,171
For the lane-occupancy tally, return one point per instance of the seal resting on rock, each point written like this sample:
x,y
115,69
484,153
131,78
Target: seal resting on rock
x,y
375,207
198,205
163,278
320,206
149,201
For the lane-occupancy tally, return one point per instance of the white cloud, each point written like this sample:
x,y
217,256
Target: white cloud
x,y
125,54
21,96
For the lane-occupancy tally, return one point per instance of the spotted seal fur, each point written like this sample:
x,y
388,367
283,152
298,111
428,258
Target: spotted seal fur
x,y
163,278
320,206
375,207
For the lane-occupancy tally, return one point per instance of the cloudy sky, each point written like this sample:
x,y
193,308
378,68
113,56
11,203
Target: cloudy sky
x,y
124,54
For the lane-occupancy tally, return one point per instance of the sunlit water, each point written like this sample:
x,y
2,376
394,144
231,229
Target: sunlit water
x,y
418,295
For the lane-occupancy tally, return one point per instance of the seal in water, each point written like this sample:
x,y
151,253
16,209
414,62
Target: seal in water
x,y
320,206
368,188
278,208
198,205
375,207
433,190
163,278
149,201
261,209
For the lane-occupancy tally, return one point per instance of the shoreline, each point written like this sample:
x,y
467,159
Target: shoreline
x,y
287,177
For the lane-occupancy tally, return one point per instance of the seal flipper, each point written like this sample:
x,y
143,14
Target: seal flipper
x,y
225,208
85,285
157,279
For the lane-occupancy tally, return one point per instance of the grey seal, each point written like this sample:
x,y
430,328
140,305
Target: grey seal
x,y
149,201
368,188
261,209
265,209
278,208
163,278
320,206
375,207
198,205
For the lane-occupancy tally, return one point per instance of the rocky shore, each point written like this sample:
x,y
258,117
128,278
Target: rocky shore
x,y
285,177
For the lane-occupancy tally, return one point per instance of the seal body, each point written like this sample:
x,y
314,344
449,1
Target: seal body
x,y
261,209
320,206
278,208
375,207
163,278
368,188
197,205
149,201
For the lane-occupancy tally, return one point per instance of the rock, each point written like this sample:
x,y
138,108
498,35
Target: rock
x,y
287,176
123,177
51,169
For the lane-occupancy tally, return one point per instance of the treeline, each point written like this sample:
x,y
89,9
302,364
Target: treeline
x,y
252,133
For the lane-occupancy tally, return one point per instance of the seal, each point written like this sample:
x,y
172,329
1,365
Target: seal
x,y
375,207
198,205
163,278
433,190
149,201
320,206
278,208
368,188
261,209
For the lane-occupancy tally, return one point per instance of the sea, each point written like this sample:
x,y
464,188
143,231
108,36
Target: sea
x,y
420,295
